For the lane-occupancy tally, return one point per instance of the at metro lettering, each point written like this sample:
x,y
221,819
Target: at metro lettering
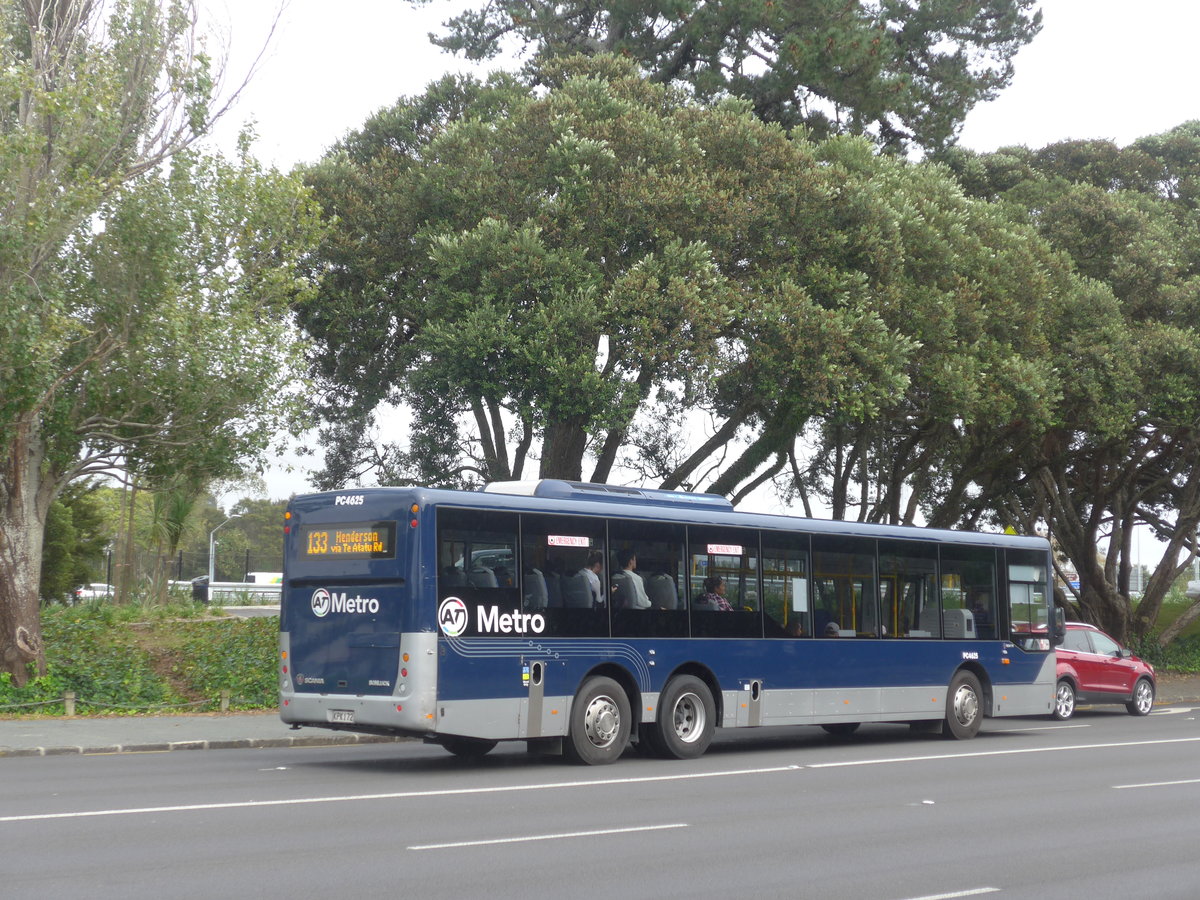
x,y
342,603
515,622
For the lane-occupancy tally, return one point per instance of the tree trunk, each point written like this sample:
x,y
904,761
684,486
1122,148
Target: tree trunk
x,y
24,505
562,449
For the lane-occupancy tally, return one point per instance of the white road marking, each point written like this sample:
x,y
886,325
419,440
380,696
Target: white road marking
x,y
1149,784
546,837
399,795
973,892
1035,728
451,792
981,753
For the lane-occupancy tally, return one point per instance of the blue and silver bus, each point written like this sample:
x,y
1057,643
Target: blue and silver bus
x,y
583,617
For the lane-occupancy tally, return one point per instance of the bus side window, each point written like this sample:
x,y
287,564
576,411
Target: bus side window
x,y
562,573
477,557
1027,588
847,593
785,585
723,565
968,586
646,567
908,576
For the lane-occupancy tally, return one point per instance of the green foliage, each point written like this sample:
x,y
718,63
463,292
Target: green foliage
x,y
1181,655
236,654
902,71
144,285
76,537
139,658
1124,440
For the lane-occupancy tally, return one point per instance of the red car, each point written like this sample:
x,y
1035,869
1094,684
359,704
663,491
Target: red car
x,y
1094,668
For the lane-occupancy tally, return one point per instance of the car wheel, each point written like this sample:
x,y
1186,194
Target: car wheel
x,y
1143,698
1064,701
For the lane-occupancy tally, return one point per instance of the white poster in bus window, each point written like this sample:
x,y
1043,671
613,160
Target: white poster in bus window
x,y
799,595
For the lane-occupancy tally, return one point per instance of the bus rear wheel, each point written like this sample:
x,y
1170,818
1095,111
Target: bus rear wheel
x,y
600,723
964,707
687,719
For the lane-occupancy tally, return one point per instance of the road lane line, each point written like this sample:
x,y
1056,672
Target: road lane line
x,y
982,753
399,795
1149,784
973,892
546,837
450,792
1035,728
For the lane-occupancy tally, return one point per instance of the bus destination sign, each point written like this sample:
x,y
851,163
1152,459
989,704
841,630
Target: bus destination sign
x,y
352,540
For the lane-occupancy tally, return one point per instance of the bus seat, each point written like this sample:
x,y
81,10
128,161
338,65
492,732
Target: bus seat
x,y
960,623
931,622
482,576
535,590
660,588
576,593
622,591
553,588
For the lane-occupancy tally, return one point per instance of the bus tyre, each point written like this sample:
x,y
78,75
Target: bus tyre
x,y
1064,701
466,747
600,723
1143,698
687,719
964,707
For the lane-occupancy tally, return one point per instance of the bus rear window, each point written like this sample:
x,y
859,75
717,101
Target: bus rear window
x,y
349,540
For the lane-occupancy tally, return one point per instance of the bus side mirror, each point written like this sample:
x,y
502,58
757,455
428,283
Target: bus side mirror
x,y
1060,626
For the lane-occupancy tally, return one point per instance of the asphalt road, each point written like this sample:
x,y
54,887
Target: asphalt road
x,y
1105,805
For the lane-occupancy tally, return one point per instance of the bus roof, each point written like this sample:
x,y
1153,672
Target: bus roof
x,y
567,498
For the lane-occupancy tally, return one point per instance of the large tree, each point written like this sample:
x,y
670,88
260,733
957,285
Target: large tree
x,y
143,287
898,70
524,267
1122,451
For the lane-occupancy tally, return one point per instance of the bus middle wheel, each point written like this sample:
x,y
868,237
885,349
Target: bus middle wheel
x,y
600,723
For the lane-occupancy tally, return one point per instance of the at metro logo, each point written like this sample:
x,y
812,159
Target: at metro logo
x,y
323,603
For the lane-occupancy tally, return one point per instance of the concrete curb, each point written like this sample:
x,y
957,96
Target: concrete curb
x,y
221,744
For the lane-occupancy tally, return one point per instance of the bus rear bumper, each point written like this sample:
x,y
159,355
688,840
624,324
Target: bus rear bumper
x,y
345,712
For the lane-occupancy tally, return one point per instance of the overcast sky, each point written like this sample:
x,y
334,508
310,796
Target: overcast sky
x,y
1116,69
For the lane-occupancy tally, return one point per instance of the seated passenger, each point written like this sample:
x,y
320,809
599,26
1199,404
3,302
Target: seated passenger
x,y
591,572
637,598
794,628
713,597
832,630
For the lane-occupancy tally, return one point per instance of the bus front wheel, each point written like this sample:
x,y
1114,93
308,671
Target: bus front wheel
x,y
600,723
687,719
964,707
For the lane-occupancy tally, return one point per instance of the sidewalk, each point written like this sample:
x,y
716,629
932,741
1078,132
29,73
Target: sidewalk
x,y
133,734
222,731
